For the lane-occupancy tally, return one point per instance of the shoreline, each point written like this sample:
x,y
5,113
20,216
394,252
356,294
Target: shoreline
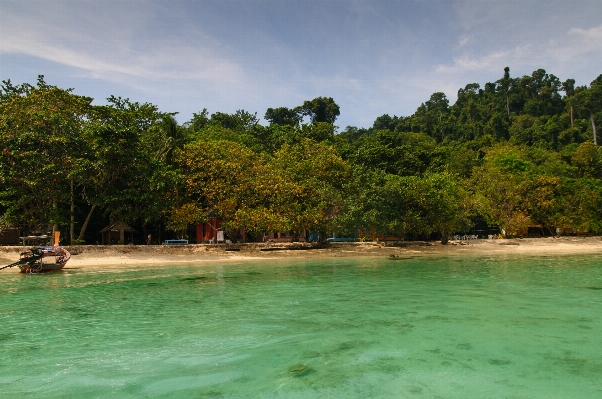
x,y
95,256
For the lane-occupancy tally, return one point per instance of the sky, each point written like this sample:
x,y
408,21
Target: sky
x,y
371,57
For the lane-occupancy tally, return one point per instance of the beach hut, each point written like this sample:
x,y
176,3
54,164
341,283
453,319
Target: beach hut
x,y
208,231
115,233
39,235
9,236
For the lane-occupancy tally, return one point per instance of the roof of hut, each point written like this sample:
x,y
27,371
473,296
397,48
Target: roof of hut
x,y
117,226
42,229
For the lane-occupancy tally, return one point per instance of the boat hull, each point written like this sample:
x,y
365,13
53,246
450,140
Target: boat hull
x,y
42,268
43,260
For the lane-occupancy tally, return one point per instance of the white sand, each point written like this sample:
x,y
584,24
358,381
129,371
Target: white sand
x,y
92,256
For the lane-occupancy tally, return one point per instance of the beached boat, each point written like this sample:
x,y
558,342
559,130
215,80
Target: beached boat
x,y
41,260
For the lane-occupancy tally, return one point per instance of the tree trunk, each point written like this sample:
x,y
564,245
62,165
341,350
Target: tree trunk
x,y
72,210
444,238
322,236
55,226
508,105
572,118
85,225
591,118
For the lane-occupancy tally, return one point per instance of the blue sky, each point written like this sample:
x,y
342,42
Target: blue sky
x,y
372,57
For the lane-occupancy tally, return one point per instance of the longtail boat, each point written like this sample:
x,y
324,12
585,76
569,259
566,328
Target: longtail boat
x,y
41,260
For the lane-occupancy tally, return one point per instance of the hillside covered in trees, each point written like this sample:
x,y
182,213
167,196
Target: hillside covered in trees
x,y
513,153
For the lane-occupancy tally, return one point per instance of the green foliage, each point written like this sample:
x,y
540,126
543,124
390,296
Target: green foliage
x,y
130,143
405,206
42,148
296,189
320,109
580,202
220,178
313,177
400,153
282,116
513,152
588,160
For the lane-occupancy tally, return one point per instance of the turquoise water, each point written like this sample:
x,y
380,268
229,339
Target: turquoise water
x,y
471,327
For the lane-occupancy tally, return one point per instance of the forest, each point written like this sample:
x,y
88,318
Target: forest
x,y
514,153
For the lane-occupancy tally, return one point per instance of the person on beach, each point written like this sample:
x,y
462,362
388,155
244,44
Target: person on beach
x,y
148,240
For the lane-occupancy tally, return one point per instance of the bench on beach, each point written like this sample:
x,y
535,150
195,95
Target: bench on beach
x,y
175,242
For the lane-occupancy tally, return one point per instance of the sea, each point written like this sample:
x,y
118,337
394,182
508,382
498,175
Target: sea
x,y
467,326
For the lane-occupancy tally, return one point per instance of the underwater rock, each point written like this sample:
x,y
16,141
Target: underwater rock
x,y
194,278
499,362
299,370
345,346
414,389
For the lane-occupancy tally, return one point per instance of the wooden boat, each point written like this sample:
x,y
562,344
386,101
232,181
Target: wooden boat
x,y
41,260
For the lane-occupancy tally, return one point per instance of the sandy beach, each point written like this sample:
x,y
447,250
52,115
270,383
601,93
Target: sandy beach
x,y
92,256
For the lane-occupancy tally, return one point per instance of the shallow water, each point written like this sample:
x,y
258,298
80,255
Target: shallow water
x,y
470,327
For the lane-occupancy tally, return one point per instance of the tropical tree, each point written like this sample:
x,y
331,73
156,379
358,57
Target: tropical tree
x,y
282,116
125,158
43,153
580,205
590,99
320,109
432,114
588,160
504,85
447,205
226,179
500,187
568,86
313,177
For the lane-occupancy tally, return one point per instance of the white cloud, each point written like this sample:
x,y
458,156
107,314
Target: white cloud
x,y
372,57
580,41
465,39
591,34
125,55
468,63
576,43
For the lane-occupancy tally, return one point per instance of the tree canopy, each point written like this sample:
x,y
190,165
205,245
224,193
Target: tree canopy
x,y
514,153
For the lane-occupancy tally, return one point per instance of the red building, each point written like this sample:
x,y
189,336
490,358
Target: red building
x,y
208,231
211,231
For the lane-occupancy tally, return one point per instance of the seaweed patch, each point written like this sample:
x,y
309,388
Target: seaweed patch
x,y
299,370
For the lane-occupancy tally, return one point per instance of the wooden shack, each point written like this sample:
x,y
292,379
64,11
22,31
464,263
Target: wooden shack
x,y
9,236
115,233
